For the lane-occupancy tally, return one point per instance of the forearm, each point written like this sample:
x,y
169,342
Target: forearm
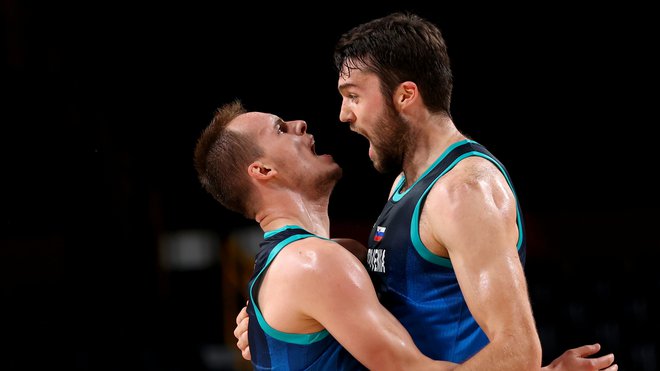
x,y
512,354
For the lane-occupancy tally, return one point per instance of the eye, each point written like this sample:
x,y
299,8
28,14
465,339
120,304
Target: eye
x,y
281,127
352,97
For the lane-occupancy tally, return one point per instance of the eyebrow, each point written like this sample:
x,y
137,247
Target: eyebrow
x,y
277,122
272,127
346,85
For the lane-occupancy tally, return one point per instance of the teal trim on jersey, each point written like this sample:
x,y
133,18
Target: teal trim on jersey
x,y
398,195
276,231
300,339
422,250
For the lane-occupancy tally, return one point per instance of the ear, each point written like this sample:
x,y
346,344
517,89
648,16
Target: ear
x,y
260,171
405,94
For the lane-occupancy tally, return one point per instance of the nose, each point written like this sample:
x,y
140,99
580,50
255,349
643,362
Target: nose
x,y
300,127
345,114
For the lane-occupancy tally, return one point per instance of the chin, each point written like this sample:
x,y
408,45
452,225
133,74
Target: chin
x,y
379,166
337,174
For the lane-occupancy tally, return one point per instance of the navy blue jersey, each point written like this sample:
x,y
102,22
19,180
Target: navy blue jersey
x,y
417,286
271,349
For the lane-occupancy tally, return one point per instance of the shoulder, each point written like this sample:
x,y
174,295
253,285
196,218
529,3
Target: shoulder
x,y
473,174
472,199
313,258
474,185
315,270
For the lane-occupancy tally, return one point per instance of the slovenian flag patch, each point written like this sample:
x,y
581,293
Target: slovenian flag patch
x,y
380,232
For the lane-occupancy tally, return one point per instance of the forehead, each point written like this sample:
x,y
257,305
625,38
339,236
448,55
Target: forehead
x,y
253,122
355,78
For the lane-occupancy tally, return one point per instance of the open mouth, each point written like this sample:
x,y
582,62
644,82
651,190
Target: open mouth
x,y
356,130
313,146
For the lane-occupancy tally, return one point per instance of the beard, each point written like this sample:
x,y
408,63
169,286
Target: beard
x,y
389,142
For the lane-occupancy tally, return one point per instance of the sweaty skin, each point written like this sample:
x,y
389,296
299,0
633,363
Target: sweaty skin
x,y
399,98
313,283
469,216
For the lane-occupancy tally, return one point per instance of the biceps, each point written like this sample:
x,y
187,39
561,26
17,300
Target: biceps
x,y
494,288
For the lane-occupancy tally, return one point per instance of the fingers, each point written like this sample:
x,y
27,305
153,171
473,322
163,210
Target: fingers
x,y
241,333
586,350
246,355
605,362
241,327
241,315
602,362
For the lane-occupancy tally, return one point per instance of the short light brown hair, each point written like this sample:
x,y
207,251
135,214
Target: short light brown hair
x,y
221,159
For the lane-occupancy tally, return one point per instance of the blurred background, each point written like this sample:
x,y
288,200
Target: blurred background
x,y
112,257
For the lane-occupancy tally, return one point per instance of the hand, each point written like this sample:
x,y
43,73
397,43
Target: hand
x,y
574,360
241,333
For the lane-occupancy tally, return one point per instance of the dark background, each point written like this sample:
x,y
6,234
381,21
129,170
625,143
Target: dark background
x,y
102,105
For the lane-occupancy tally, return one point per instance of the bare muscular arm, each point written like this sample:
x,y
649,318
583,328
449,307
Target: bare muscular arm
x,y
572,359
471,216
333,289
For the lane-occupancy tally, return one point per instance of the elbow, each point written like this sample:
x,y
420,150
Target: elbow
x,y
524,352
531,353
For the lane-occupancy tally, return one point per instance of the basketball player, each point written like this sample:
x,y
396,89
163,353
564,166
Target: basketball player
x,y
447,253
312,304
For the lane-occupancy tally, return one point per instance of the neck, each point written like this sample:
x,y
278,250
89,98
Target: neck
x,y
428,141
291,208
